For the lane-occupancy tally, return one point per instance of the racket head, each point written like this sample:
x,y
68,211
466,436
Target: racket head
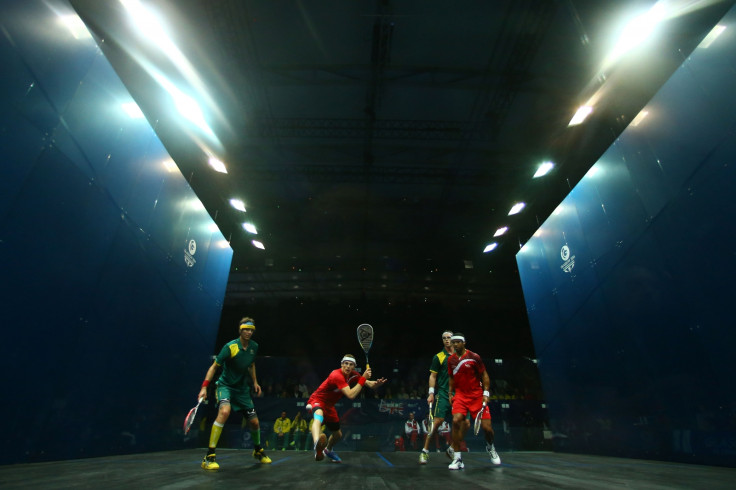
x,y
189,420
365,336
476,425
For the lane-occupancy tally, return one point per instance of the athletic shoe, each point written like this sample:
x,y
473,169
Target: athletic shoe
x,y
450,452
319,449
491,450
457,464
423,457
332,455
260,455
209,463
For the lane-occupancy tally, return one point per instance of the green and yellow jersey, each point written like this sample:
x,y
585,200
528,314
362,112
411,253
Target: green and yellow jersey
x,y
235,362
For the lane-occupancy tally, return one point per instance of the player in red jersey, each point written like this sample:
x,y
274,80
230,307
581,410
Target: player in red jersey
x,y
322,404
469,385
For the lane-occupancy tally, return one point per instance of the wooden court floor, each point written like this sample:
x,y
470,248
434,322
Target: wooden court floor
x,y
519,470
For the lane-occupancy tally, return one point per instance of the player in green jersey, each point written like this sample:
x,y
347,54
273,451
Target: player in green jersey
x,y
233,390
438,393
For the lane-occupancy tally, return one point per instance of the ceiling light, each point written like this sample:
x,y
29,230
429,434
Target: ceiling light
x,y
217,165
250,228
636,32
712,36
639,118
258,244
582,113
169,165
544,169
238,204
75,26
490,246
516,208
132,110
501,231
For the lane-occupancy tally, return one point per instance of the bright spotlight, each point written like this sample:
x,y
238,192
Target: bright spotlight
x,y
501,231
217,165
636,32
258,244
516,208
238,204
543,169
75,26
490,246
132,110
250,228
712,36
581,115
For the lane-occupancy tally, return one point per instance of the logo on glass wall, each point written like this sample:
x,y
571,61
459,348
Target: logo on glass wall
x,y
568,260
189,252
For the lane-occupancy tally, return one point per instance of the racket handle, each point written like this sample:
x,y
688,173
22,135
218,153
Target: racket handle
x,y
201,399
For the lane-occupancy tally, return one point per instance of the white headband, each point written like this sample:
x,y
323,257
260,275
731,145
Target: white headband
x,y
348,358
458,337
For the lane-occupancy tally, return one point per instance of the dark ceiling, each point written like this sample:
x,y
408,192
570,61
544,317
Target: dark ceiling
x,y
378,145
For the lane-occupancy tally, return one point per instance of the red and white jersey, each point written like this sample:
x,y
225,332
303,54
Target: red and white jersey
x,y
330,391
466,373
411,426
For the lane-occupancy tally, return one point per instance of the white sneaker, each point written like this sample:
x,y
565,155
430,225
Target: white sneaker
x,y
423,457
491,450
450,452
457,464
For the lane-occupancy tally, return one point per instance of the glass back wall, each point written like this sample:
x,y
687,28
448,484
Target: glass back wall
x,y
629,284
113,275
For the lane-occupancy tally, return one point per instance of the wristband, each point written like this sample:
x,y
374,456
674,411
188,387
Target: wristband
x,y
361,381
205,383
431,390
485,393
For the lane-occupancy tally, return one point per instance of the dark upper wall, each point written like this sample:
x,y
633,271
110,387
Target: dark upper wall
x,y
635,338
107,330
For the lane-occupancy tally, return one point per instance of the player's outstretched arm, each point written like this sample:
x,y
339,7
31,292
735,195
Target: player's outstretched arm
x,y
375,384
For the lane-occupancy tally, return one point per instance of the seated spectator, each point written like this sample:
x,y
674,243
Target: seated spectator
x,y
425,433
411,430
445,431
281,427
298,432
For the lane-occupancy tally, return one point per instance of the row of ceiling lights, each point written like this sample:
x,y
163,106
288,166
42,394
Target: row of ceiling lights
x,y
543,169
634,33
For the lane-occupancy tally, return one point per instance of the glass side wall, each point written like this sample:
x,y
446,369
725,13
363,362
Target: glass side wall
x,y
629,284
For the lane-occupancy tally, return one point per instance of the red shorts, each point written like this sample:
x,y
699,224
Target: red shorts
x,y
473,405
328,411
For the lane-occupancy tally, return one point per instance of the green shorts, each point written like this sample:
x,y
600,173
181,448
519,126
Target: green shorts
x,y
442,407
240,400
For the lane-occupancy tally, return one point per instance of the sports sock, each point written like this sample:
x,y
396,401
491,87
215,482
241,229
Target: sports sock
x,y
215,435
255,434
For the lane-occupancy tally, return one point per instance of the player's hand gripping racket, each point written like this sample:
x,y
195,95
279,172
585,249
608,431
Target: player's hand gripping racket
x,y
365,338
431,420
191,416
476,426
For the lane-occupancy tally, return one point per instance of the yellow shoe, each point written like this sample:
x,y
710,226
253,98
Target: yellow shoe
x,y
209,463
260,455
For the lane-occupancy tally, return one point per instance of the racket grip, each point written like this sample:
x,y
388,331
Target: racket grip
x,y
201,399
